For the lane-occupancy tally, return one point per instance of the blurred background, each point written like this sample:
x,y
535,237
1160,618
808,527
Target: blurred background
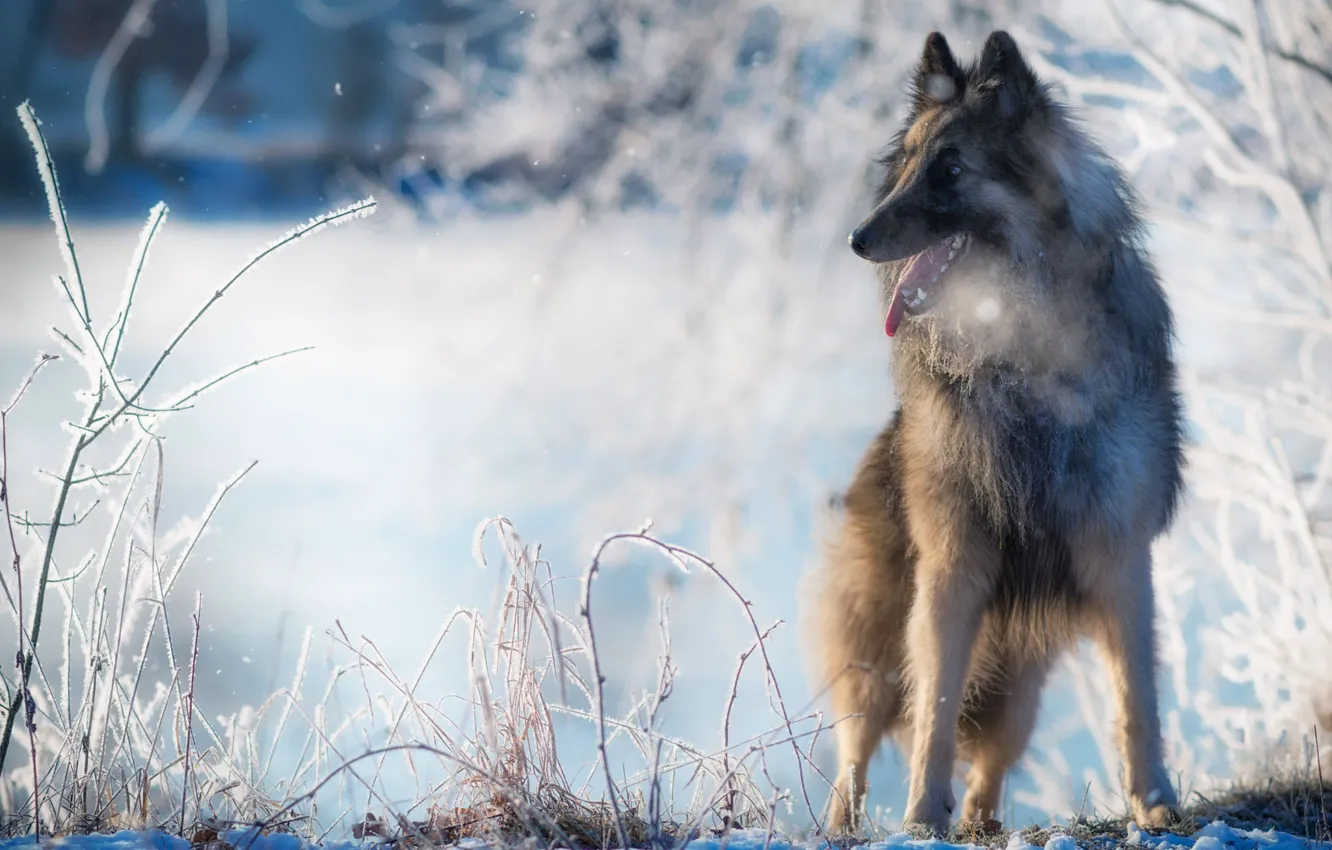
x,y
607,282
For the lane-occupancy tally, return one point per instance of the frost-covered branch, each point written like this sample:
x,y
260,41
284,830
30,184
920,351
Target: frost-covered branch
x,y
79,742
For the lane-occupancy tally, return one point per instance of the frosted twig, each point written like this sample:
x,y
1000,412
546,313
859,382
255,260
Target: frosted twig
x,y
202,84
1293,58
156,218
360,209
180,403
728,803
1283,194
1262,91
42,360
1322,789
302,659
343,17
683,558
754,749
22,695
131,27
55,203
599,682
189,713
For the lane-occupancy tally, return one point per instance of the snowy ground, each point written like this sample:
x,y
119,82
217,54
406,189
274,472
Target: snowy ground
x,y
1215,836
575,378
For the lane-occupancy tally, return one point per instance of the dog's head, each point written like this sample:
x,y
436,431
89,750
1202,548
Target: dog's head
x,y
981,170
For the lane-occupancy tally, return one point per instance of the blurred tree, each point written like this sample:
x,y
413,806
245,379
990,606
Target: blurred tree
x,y
174,39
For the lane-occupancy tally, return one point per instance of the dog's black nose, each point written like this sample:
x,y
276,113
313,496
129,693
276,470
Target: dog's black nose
x,y
857,242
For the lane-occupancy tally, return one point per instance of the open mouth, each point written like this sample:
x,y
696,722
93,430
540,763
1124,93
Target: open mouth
x,y
918,285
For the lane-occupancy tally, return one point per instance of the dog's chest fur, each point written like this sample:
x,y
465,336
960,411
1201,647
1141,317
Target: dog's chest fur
x,y
1033,465
1023,448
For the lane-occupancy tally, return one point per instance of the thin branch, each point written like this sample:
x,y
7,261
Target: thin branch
x,y
22,694
728,803
599,688
360,209
201,86
189,713
42,360
66,339
156,217
131,26
55,202
179,404
1208,15
1284,195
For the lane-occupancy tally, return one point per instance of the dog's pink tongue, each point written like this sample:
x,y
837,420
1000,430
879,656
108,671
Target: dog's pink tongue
x,y
895,310
920,273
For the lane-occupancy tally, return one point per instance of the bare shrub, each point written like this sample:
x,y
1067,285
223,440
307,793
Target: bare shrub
x,y
107,747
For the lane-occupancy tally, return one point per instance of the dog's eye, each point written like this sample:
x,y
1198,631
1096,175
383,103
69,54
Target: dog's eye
x,y
946,168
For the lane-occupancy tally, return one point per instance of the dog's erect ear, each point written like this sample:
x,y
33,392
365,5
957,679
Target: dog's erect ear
x,y
939,79
1004,72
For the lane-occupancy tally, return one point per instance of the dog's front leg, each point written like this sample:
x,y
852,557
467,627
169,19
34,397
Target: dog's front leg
x,y
954,578
1119,576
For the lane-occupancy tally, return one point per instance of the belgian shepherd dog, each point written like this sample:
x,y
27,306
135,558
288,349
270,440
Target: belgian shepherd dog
x,y
1009,507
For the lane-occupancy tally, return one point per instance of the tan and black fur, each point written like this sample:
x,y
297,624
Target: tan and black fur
x,y
1009,507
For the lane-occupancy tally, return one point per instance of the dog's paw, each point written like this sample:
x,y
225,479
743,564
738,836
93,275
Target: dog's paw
x,y
919,828
976,831
930,813
1157,809
979,807
1159,816
845,808
842,819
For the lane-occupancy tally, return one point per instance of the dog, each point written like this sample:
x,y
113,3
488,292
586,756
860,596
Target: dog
x,y
1009,506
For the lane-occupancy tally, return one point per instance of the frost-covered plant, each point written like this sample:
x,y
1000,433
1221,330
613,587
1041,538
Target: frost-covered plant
x,y
105,744
1220,112
1220,118
114,748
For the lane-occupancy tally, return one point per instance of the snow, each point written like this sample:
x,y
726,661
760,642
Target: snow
x,y
729,391
719,374
242,839
1214,836
1218,835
